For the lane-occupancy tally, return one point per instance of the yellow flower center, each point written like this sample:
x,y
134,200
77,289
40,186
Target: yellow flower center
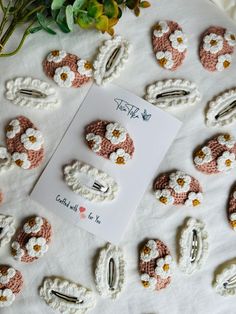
x,y
19,162
55,53
232,36
145,284
196,202
158,28
32,139
166,267
180,40
162,62
228,162
37,247
226,64
233,223
88,66
200,154
213,42
3,299
9,128
64,76
181,182
31,222
146,250
91,143
116,133
163,199
227,137
120,160
4,272
13,252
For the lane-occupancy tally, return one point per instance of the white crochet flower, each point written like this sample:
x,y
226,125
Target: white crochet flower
x,y
234,195
233,220
120,157
165,60
149,251
203,156
32,139
33,225
148,282
164,196
160,29
7,275
226,162
56,56
64,77
227,140
194,199
115,133
36,247
85,68
223,62
13,128
21,160
213,43
178,40
16,251
7,297
94,142
230,38
164,267
179,182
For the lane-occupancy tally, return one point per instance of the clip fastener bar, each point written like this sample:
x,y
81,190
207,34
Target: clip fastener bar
x,y
194,249
66,297
175,93
31,93
100,187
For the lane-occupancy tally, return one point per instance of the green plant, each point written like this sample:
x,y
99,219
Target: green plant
x,y
36,15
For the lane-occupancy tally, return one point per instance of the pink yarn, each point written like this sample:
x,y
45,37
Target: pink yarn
x,y
15,283
1,197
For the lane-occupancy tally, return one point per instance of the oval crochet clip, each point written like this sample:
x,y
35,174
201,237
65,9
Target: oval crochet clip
x,y
30,92
193,246
66,297
225,281
172,93
222,109
110,272
111,59
6,162
89,182
7,229
231,210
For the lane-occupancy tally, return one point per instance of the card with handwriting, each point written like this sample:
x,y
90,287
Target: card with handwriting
x,y
152,131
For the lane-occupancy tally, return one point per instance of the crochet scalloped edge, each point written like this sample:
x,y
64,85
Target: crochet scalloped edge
x,y
12,86
110,251
227,272
8,164
11,231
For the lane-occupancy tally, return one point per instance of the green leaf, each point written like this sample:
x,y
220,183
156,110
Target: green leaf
x,y
119,13
119,1
131,4
110,8
95,9
57,4
102,23
35,29
78,4
84,20
61,20
69,17
144,4
43,22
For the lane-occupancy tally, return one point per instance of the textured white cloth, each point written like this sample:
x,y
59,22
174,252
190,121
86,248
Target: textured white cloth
x,y
229,6
73,251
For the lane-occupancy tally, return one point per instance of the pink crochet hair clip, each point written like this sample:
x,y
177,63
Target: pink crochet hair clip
x,y
231,211
110,140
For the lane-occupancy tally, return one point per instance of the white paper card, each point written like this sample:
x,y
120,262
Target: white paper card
x,y
152,131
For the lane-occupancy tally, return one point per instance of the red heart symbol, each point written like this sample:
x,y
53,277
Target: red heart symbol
x,y
82,209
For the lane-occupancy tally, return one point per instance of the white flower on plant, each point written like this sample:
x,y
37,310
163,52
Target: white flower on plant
x,y
120,157
16,251
33,225
194,199
149,251
232,219
36,247
203,156
234,195
32,139
179,182
148,282
164,196
94,142
226,162
7,297
115,133
6,275
64,77
164,267
56,56
164,59
223,62
227,140
160,29
230,38
85,68
213,43
178,41
13,128
21,160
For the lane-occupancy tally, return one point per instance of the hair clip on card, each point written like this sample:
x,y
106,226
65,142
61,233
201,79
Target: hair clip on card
x,y
225,281
89,182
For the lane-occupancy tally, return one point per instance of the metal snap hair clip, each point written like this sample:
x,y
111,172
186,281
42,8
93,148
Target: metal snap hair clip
x,y
193,246
7,229
6,162
30,92
222,109
89,182
66,297
225,282
172,93
110,59
110,272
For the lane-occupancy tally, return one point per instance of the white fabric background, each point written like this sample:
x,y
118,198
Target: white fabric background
x,y
73,251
